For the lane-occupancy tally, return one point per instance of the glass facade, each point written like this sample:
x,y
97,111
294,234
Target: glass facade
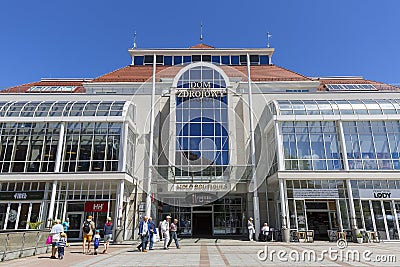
x,y
202,145
373,145
28,147
315,145
311,146
91,147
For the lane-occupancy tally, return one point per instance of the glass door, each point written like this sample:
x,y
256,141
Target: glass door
x,y
379,219
3,211
75,224
12,216
368,220
23,216
390,220
397,213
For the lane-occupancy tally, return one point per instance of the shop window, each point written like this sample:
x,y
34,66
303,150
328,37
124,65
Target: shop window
x,y
12,216
23,216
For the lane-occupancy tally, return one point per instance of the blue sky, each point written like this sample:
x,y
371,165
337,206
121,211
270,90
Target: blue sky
x,y
87,38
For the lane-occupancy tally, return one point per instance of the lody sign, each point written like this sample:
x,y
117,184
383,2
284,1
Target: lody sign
x,y
379,193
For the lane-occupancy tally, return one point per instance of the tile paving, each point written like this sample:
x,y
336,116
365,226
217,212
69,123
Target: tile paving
x,y
221,252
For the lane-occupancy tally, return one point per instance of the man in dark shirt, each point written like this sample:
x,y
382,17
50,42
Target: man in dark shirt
x,y
153,231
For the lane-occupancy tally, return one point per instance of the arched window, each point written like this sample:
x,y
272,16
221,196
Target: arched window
x,y
202,141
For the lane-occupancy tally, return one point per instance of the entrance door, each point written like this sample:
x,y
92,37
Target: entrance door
x,y
319,222
202,224
75,224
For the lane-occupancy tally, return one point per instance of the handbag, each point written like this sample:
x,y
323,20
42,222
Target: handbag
x,y
49,240
156,238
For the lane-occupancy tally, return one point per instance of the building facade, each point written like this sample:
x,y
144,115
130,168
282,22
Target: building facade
x,y
209,136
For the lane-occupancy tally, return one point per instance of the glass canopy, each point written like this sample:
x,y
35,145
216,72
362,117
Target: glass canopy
x,y
338,107
62,108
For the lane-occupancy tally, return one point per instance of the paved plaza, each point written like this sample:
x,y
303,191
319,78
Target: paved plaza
x,y
222,252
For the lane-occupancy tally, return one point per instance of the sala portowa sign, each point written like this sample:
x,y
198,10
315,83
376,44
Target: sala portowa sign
x,y
200,90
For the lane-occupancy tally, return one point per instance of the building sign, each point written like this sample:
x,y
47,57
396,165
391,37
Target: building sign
x,y
213,187
29,195
200,198
96,206
142,206
200,90
315,193
379,193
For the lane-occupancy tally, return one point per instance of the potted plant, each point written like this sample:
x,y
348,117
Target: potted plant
x,y
34,225
359,238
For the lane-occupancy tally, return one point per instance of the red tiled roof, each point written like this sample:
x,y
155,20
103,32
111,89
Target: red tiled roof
x,y
144,73
202,46
25,87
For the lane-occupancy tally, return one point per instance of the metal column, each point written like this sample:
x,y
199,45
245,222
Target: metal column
x,y
150,171
256,208
52,202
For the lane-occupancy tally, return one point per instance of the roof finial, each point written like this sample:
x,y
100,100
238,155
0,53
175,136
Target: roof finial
x,y
201,32
134,40
268,37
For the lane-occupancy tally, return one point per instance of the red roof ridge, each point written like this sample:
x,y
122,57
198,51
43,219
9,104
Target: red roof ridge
x,y
202,46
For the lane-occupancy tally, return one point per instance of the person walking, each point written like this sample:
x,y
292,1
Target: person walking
x,y
56,231
88,228
108,230
153,232
96,241
173,233
61,245
65,224
165,230
144,234
250,227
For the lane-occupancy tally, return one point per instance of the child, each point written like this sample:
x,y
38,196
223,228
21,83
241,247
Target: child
x,y
96,242
61,245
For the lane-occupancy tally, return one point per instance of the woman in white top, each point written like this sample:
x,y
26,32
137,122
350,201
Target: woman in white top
x,y
56,230
265,231
250,227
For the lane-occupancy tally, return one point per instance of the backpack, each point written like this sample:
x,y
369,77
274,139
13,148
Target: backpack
x,y
96,242
86,227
